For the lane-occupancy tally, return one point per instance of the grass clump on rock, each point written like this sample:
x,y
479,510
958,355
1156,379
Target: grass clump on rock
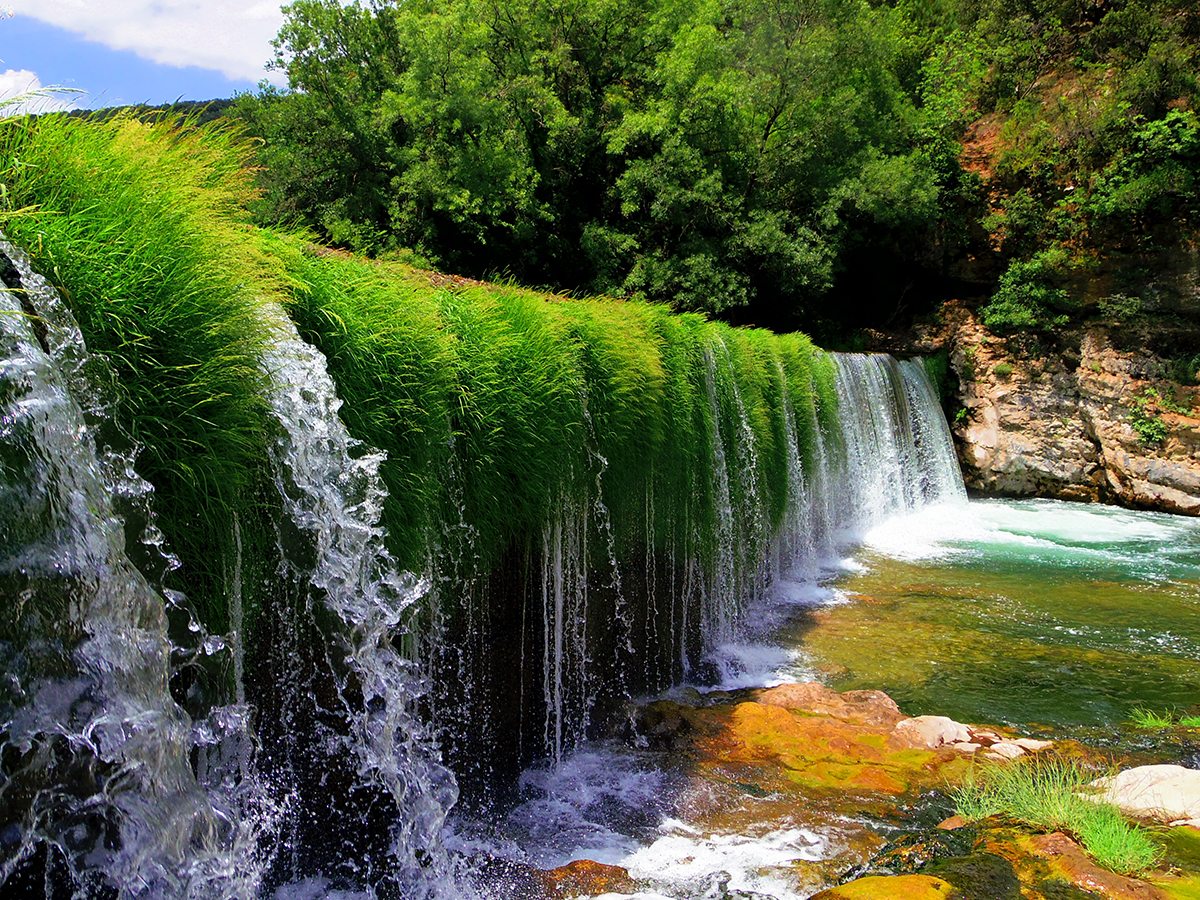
x,y
1051,795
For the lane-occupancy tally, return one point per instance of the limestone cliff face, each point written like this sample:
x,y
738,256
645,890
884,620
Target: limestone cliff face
x,y
1061,424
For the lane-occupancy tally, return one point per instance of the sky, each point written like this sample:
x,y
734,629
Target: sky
x,y
114,52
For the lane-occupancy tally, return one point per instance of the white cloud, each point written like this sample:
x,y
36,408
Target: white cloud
x,y
230,36
22,92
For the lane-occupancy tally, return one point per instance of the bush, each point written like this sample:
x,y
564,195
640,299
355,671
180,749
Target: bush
x,y
1029,296
1002,370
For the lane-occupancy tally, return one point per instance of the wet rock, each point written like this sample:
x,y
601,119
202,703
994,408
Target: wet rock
x,y
952,824
890,887
665,724
910,854
586,878
985,736
1168,794
979,876
1068,860
862,707
931,732
1031,745
1004,750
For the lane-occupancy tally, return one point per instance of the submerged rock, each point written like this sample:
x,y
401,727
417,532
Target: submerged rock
x,y
862,707
1169,794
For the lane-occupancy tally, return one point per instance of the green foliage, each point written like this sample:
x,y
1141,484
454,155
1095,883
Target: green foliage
x,y
1184,369
1002,369
1121,308
1151,720
937,368
1050,795
1190,721
1029,296
143,228
1145,417
710,155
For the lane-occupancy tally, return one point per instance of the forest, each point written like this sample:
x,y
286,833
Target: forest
x,y
825,164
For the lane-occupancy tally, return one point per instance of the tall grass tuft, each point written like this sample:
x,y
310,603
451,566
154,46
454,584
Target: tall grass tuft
x,y
1051,794
142,227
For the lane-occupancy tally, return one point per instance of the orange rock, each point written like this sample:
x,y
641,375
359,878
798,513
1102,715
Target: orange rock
x,y
890,887
862,707
586,877
1068,860
952,823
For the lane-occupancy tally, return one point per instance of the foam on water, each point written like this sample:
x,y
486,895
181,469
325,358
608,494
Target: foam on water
x,y
1139,544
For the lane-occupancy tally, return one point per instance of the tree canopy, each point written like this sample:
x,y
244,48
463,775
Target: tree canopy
x,y
734,156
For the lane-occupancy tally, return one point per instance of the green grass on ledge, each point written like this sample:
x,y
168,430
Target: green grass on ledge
x,y
1049,795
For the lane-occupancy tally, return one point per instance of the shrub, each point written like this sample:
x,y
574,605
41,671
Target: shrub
x,y
1029,296
1002,370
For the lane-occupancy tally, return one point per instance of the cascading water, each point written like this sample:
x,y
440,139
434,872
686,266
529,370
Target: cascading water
x,y
99,791
333,557
340,783
897,450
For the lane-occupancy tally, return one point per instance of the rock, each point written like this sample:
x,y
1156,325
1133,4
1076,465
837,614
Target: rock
x,y
1070,862
1004,750
890,887
862,707
966,748
952,824
583,877
1059,424
979,876
985,736
931,732
1031,745
1163,793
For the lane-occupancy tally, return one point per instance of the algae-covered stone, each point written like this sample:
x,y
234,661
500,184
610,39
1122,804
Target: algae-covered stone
x,y
890,887
979,876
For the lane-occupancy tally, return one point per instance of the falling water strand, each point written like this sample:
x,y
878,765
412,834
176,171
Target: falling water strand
x,y
97,769
333,495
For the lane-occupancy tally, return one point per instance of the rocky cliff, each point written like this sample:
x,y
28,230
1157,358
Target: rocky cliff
x,y
1081,421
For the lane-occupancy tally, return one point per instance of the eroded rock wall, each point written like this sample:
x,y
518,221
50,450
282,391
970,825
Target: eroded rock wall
x,y
1061,423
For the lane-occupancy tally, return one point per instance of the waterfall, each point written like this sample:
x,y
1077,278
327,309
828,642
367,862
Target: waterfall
x,y
334,559
897,453
97,774
303,749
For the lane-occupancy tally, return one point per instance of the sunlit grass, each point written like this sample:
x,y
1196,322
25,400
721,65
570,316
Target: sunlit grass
x,y
142,228
1049,794
1151,719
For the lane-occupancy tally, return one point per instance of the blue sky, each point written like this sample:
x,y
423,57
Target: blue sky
x,y
135,51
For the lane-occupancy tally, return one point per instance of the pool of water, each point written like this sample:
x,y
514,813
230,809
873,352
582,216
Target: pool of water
x,y
1018,612
1046,616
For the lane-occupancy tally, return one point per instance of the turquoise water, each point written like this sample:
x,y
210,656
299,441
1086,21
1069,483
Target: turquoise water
x,y
1019,612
